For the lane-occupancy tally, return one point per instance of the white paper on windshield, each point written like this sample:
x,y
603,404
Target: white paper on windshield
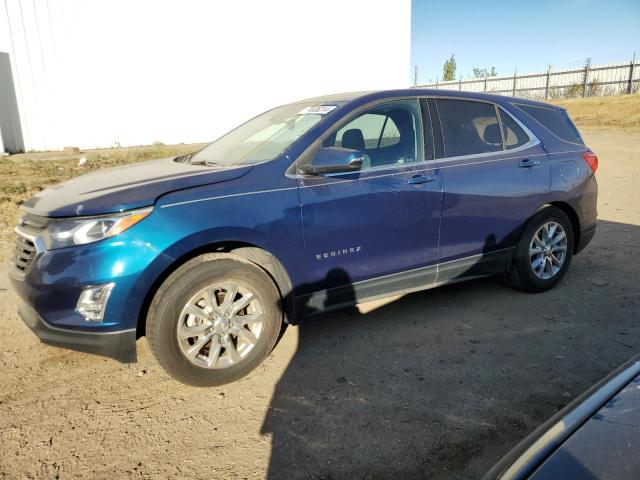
x,y
317,110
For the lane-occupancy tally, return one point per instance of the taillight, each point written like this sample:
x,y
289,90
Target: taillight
x,y
591,159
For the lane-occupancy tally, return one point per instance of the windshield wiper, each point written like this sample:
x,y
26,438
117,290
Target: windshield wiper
x,y
195,161
189,159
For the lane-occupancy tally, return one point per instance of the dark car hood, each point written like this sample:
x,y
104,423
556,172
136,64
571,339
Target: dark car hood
x,y
125,188
605,446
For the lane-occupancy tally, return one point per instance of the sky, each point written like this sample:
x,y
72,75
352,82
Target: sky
x,y
527,35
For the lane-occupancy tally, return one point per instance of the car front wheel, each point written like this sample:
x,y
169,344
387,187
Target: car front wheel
x,y
214,320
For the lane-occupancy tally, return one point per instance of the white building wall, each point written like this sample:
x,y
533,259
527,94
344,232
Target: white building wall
x,y
96,73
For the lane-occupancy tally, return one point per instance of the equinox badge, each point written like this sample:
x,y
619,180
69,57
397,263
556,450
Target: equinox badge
x,y
338,253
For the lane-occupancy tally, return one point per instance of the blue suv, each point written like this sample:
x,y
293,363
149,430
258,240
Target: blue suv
x,y
311,206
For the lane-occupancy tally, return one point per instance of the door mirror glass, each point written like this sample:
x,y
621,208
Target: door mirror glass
x,y
334,160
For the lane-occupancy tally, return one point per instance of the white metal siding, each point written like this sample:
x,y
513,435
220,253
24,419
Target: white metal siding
x,y
97,73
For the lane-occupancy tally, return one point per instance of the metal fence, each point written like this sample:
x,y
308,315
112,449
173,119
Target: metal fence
x,y
590,80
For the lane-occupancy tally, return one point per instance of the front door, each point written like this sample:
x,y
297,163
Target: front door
x,y
363,231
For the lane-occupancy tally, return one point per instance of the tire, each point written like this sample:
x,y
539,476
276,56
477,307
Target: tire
x,y
200,286
523,274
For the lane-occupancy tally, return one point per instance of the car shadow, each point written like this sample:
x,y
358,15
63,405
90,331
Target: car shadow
x,y
442,383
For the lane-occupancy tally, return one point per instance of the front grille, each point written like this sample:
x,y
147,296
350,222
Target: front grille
x,y
24,253
24,249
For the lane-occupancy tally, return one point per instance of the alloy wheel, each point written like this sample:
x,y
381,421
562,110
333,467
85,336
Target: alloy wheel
x,y
548,250
220,325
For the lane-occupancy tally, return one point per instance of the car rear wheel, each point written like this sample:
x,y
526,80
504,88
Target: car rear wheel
x,y
214,320
544,251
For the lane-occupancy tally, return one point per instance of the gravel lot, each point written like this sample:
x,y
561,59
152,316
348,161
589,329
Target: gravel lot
x,y
437,384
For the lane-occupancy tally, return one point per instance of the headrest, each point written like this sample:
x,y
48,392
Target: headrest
x,y
353,139
492,134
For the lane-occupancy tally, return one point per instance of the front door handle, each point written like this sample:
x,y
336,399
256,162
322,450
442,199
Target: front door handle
x,y
528,163
420,179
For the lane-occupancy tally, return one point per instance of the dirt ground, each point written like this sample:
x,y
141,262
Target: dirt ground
x,y
437,384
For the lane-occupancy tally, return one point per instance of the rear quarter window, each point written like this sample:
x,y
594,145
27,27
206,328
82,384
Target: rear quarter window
x,y
556,121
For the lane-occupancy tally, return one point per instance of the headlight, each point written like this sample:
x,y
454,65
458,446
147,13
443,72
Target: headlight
x,y
78,231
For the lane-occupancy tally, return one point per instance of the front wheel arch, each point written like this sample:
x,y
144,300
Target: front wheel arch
x,y
257,255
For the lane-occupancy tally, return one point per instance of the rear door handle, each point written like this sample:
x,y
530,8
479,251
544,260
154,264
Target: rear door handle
x,y
420,179
528,163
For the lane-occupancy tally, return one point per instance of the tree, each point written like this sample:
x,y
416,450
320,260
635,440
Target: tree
x,y
483,72
449,69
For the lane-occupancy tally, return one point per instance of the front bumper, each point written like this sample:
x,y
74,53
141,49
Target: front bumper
x,y
119,345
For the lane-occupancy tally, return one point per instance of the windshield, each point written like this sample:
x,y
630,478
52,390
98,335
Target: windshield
x,y
265,136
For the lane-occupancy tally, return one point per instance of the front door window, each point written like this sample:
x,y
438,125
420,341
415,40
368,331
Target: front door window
x,y
387,134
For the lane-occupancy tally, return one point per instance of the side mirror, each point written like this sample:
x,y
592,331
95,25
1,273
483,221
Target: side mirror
x,y
334,160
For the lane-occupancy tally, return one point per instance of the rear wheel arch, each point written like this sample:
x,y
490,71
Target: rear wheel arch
x,y
252,253
575,221
568,210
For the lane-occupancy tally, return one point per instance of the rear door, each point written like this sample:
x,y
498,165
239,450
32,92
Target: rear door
x,y
494,174
363,230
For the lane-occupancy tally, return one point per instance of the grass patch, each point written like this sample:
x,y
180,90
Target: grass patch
x,y
622,111
26,174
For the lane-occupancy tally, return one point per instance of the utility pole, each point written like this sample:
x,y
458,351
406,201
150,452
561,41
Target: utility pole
x,y
546,88
586,76
415,75
631,68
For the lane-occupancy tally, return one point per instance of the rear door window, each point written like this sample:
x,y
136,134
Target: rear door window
x,y
468,127
513,135
556,121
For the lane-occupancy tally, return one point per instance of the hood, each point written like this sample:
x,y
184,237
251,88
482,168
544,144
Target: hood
x,y
605,446
125,188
